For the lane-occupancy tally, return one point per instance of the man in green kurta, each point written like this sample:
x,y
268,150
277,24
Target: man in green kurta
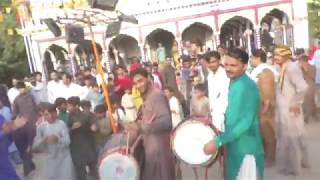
x,y
242,130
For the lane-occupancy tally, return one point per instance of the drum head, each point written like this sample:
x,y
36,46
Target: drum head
x,y
189,140
117,166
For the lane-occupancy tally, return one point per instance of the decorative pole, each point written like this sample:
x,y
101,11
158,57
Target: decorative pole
x,y
104,84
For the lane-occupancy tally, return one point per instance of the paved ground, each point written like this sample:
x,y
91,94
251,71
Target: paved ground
x,y
313,136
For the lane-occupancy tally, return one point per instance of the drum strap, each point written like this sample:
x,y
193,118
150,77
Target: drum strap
x,y
195,173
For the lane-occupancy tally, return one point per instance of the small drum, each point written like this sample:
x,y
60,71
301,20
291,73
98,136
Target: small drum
x,y
117,161
188,141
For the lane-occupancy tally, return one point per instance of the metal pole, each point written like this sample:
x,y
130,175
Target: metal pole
x,y
104,84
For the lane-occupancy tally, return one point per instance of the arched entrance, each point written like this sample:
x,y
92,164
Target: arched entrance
x,y
157,36
85,55
276,29
237,32
55,57
199,34
125,47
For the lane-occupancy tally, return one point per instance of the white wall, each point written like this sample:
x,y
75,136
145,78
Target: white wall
x,y
301,29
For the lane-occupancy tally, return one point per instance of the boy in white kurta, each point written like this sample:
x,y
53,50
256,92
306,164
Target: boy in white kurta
x,y
175,107
127,102
53,137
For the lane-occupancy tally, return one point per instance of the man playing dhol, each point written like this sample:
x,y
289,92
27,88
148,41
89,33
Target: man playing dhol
x,y
242,129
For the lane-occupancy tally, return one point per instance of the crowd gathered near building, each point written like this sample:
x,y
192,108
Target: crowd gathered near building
x,y
259,112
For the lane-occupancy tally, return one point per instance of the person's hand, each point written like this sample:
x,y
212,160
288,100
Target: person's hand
x,y
76,125
132,127
7,127
52,139
93,128
304,67
295,109
19,122
210,148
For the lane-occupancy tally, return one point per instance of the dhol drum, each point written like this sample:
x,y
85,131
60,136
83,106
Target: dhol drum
x,y
118,162
188,141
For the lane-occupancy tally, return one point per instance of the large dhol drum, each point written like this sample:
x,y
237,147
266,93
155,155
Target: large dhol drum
x,y
120,160
188,141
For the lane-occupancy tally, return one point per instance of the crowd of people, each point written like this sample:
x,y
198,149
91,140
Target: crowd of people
x,y
259,113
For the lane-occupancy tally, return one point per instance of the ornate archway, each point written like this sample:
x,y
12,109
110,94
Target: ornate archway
x,y
157,36
125,47
199,34
85,54
237,32
276,29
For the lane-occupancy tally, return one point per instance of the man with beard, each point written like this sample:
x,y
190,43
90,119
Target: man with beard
x,y
155,126
244,158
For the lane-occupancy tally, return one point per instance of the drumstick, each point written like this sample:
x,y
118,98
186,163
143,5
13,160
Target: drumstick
x,y
127,148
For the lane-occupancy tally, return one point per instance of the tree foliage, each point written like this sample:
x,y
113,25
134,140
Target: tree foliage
x,y
13,58
314,18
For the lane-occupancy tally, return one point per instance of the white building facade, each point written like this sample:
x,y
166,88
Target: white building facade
x,y
206,23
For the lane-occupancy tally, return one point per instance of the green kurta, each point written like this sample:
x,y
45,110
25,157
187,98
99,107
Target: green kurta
x,y
64,116
242,130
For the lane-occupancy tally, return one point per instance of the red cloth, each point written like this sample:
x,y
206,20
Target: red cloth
x,y
124,83
134,66
313,49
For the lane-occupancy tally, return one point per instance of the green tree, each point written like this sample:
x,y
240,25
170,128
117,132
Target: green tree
x,y
314,18
13,57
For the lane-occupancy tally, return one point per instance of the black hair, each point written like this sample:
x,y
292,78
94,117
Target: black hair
x,y
20,85
51,108
37,73
60,101
239,54
139,71
170,89
85,103
74,100
68,76
222,46
101,108
200,87
185,58
120,67
53,71
210,54
300,51
260,54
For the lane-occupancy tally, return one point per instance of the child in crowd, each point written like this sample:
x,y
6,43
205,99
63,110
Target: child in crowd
x,y
94,96
53,135
61,104
127,103
199,106
101,127
175,107
82,147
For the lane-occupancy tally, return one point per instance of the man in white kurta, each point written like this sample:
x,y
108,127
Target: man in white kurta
x,y
218,87
53,137
53,87
69,89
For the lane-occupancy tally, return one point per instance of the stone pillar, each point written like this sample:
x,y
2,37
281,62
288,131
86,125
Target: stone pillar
x,y
249,42
143,57
217,39
234,34
180,45
258,38
284,30
148,53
